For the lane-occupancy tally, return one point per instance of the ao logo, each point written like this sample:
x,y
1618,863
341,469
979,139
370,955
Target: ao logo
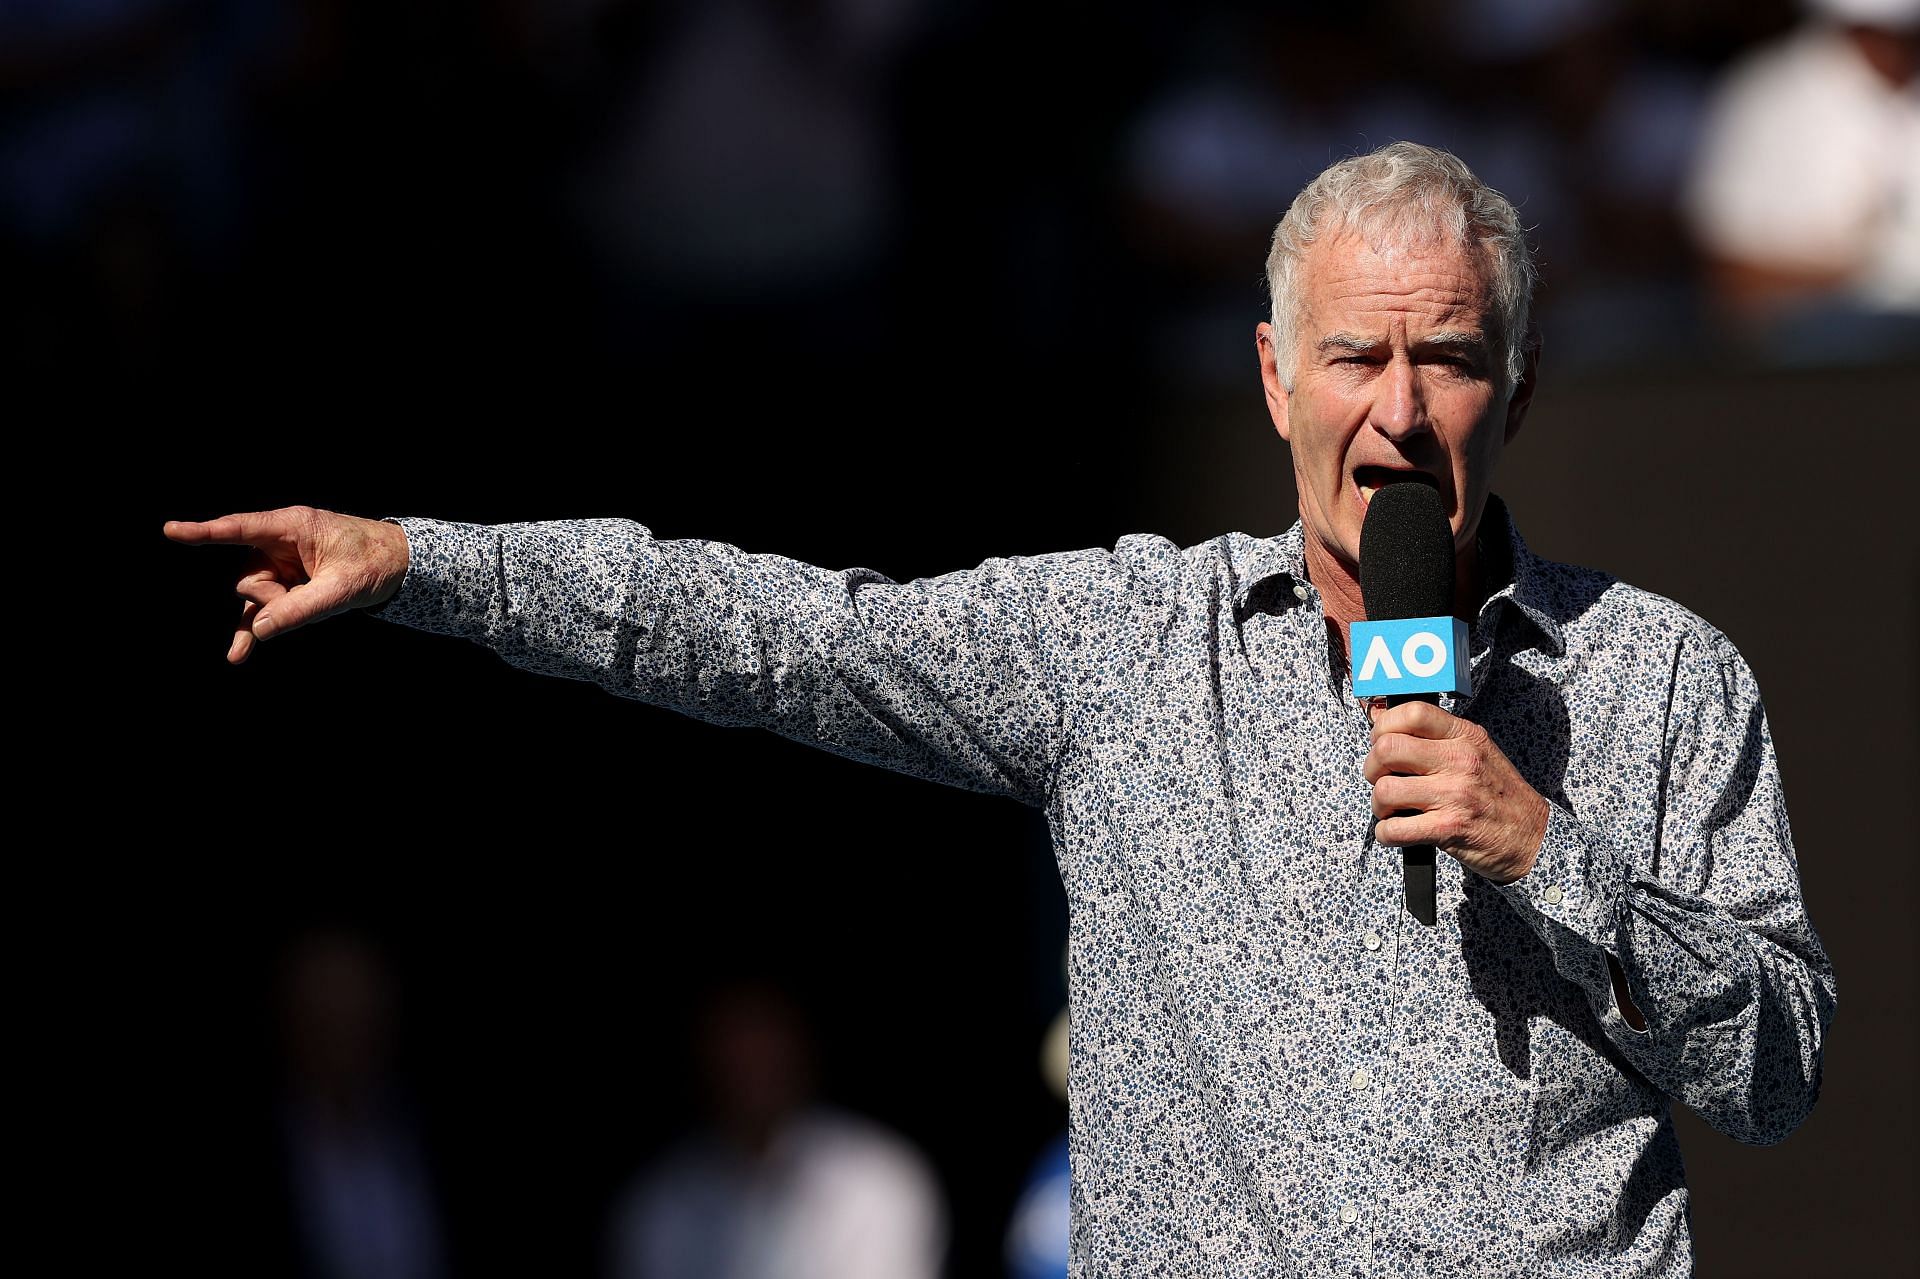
x,y
1423,654
1409,655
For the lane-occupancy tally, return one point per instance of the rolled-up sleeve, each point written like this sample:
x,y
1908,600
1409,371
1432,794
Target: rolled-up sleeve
x,y
1706,923
964,678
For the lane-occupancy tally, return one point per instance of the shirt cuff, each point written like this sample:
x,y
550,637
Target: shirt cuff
x,y
1575,898
449,584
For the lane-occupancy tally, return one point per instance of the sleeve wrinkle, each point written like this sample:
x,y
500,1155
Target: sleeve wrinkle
x,y
1736,971
1066,691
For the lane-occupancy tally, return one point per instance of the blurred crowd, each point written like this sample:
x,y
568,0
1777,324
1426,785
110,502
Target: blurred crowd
x,y
763,1179
592,183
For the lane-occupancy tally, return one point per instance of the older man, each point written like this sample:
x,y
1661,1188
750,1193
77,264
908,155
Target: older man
x,y
1276,1070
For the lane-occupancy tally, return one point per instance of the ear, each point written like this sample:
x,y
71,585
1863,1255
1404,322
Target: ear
x,y
1522,398
1270,378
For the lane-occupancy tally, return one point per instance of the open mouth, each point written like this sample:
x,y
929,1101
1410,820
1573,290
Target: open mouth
x,y
1371,479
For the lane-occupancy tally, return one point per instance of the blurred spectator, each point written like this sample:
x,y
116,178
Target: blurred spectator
x,y
747,162
1806,200
1037,1237
363,1204
117,165
778,1187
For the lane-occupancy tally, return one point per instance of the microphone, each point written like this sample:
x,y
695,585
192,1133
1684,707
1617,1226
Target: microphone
x,y
1406,571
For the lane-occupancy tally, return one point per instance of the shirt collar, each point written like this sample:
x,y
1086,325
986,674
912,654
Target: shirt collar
x,y
1524,578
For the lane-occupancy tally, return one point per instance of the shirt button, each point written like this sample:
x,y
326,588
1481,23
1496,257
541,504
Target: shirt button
x,y
1349,1214
1299,592
1553,895
1371,941
1360,1080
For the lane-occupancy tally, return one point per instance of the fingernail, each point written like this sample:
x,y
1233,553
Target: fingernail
x,y
263,627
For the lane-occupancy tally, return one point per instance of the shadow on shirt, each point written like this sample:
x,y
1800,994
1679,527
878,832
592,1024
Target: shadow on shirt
x,y
1508,965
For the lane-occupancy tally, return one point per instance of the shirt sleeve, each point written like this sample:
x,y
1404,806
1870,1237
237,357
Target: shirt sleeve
x,y
964,678
1706,924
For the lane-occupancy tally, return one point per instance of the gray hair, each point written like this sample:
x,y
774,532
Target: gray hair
x,y
1406,193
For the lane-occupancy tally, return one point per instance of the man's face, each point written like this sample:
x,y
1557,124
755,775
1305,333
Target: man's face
x,y
1399,368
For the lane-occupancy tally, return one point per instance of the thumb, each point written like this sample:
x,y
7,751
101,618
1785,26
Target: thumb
x,y
308,602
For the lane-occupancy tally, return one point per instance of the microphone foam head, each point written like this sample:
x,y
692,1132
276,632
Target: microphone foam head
x,y
1406,554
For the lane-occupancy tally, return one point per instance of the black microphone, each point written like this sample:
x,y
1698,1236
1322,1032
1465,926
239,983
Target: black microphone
x,y
1406,570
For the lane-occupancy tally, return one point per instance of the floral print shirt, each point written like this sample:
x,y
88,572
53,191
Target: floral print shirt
x,y
1276,1070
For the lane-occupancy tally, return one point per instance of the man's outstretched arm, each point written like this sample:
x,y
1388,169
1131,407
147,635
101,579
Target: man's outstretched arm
x,y
965,678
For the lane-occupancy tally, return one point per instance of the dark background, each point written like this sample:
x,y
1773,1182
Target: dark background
x,y
356,275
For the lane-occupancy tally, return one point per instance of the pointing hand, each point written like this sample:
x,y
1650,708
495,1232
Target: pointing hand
x,y
306,565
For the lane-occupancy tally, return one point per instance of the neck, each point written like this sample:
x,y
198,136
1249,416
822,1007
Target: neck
x,y
1343,604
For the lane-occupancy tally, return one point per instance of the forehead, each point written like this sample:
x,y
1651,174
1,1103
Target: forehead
x,y
1349,283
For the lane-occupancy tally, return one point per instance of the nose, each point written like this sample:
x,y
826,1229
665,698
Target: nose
x,y
1399,409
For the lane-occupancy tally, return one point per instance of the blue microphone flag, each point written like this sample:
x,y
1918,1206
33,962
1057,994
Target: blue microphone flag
x,y
1410,655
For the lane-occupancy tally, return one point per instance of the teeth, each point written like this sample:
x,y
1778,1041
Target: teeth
x,y
1367,491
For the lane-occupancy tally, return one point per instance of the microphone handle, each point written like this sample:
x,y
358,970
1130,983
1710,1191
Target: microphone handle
x,y
1417,860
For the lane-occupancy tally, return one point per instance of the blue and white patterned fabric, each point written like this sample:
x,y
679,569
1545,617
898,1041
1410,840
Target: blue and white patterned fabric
x,y
1275,1069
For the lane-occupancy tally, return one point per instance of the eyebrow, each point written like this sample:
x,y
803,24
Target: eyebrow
x,y
1458,341
1357,344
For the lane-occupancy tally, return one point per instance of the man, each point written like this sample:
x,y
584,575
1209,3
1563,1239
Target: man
x,y
1805,191
1275,1069
776,1185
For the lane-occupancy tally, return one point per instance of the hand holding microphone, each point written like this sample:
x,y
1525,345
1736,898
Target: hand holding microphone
x,y
1438,781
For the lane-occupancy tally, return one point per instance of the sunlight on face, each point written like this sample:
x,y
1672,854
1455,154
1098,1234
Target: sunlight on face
x,y
1398,370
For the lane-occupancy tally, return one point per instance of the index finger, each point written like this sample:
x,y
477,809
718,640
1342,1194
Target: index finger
x,y
1417,719
249,528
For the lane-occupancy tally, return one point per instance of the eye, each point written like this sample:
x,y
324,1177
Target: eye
x,y
1457,365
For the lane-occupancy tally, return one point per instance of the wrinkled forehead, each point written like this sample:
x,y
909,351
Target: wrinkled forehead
x,y
1351,276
